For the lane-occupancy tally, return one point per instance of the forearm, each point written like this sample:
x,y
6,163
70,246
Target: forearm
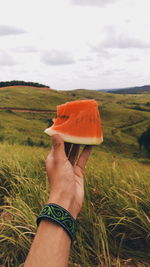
x,y
50,247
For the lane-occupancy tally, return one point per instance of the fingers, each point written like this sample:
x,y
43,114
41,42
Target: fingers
x,y
84,157
74,153
63,150
67,148
58,147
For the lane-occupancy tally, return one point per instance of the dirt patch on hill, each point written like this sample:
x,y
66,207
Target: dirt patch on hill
x,y
28,110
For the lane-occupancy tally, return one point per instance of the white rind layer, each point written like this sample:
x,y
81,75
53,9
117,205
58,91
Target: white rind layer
x,y
75,139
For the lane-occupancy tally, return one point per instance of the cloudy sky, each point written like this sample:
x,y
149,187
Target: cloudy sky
x,y
69,44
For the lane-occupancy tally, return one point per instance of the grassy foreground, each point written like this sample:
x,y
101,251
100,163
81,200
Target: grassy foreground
x,y
113,225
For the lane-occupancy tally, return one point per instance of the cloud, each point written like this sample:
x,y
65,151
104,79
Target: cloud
x,y
26,49
97,3
56,57
102,53
6,59
113,71
10,30
122,40
86,59
133,59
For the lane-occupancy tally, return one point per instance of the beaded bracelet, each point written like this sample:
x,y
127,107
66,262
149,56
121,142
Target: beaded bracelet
x,y
55,213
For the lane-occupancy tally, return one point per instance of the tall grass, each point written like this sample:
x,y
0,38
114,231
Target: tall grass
x,y
113,227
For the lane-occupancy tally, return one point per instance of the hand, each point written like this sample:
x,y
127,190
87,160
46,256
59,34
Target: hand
x,y
66,174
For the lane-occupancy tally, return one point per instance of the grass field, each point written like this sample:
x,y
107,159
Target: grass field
x,y
114,224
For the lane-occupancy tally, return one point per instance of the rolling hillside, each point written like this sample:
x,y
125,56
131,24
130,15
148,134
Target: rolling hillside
x,y
124,117
132,90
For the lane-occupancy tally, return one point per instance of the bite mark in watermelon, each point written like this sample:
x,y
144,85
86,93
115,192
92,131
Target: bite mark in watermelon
x,y
78,122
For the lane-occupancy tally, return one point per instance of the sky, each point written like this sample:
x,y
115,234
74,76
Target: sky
x,y
72,44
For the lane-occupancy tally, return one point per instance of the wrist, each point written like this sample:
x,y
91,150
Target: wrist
x,y
65,202
57,214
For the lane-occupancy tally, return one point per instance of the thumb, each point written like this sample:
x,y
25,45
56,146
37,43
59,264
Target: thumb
x,y
58,147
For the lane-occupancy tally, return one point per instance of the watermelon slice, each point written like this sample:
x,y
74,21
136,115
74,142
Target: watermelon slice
x,y
78,122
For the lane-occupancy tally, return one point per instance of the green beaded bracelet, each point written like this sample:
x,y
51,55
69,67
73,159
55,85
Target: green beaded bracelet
x,y
55,213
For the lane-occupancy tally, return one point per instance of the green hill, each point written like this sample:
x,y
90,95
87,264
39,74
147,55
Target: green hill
x,y
124,117
132,90
31,97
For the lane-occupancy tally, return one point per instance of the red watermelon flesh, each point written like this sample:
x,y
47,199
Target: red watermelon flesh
x,y
78,122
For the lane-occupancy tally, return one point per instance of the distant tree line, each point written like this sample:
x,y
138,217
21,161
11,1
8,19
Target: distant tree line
x,y
12,83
